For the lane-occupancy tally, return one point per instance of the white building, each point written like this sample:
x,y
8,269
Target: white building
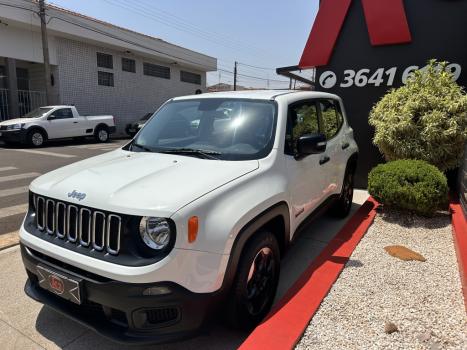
x,y
96,66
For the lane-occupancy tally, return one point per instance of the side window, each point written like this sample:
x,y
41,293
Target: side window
x,y
331,116
63,113
302,120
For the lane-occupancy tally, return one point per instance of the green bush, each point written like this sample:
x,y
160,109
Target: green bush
x,y
407,184
425,119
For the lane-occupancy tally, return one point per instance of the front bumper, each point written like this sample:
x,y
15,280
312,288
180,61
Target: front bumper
x,y
17,135
119,310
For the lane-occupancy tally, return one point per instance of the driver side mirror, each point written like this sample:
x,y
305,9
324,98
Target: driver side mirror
x,y
311,144
51,117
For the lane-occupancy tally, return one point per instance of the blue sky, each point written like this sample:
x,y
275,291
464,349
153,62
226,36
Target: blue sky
x,y
260,33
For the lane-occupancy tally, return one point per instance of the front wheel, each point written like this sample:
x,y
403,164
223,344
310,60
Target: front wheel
x,y
256,281
36,138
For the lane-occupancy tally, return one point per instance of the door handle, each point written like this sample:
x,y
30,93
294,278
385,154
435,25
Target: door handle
x,y
345,145
324,159
75,122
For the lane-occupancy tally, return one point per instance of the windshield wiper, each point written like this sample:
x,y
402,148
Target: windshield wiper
x,y
206,154
145,148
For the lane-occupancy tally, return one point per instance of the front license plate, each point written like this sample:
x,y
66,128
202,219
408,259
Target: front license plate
x,y
59,284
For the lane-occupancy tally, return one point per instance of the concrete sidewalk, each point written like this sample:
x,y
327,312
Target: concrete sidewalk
x,y
26,324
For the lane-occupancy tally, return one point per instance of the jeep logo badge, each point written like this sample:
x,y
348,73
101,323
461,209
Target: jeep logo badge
x,y
77,195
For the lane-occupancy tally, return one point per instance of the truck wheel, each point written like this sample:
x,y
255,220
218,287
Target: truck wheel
x,y
255,284
342,206
101,134
36,138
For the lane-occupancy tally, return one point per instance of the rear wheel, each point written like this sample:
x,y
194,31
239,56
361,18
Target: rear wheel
x,y
343,205
256,281
101,134
36,138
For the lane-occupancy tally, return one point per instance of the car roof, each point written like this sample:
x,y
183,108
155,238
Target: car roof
x,y
259,94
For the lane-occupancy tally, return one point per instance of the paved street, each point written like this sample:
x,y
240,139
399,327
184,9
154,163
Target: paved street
x,y
20,165
26,324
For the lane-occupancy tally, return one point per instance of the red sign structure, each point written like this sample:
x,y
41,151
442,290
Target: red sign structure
x,y
386,22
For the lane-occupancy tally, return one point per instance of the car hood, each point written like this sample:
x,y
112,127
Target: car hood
x,y
18,121
141,183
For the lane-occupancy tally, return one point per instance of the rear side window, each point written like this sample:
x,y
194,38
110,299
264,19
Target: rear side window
x,y
302,120
331,116
63,113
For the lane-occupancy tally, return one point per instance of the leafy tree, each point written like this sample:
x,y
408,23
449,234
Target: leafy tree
x,y
425,119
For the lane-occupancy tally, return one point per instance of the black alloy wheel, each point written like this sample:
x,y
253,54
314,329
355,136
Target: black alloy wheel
x,y
256,281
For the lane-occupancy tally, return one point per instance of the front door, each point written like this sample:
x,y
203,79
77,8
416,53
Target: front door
x,y
62,124
306,177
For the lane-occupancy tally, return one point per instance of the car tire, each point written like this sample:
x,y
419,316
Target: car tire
x,y
342,206
102,134
255,283
36,138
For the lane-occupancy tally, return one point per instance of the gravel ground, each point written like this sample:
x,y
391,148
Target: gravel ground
x,y
423,299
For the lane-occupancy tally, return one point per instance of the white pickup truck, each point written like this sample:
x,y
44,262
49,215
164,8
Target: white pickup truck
x,y
55,122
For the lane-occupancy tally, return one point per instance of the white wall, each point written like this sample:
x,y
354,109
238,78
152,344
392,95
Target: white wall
x,y
23,44
132,95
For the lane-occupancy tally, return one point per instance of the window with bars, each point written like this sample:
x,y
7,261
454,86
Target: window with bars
x,y
105,78
104,60
128,65
189,77
155,70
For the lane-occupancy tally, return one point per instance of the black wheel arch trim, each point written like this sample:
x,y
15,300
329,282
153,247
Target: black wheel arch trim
x,y
101,125
36,127
280,209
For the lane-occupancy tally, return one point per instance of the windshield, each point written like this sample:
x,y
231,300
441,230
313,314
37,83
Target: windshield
x,y
230,129
37,113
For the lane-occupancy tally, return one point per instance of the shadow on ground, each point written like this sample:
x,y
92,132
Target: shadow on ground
x,y
215,336
439,220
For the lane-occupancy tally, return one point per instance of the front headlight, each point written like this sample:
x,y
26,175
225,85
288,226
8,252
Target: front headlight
x,y
155,232
14,126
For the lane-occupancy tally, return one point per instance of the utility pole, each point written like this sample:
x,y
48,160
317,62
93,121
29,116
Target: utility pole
x,y
45,53
235,76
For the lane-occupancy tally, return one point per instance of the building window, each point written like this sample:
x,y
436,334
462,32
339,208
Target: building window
x,y
128,65
155,70
189,77
104,60
105,78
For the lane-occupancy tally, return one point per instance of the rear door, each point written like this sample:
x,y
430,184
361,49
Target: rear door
x,y
61,124
306,182
331,121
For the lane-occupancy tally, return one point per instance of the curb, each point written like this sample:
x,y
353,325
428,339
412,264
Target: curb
x,y
8,240
288,319
459,232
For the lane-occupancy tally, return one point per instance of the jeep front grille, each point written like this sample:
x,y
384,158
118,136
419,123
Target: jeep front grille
x,y
83,226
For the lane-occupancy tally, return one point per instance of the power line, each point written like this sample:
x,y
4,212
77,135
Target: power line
x,y
251,76
182,25
251,66
93,29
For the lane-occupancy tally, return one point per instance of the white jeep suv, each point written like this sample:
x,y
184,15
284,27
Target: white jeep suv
x,y
144,242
